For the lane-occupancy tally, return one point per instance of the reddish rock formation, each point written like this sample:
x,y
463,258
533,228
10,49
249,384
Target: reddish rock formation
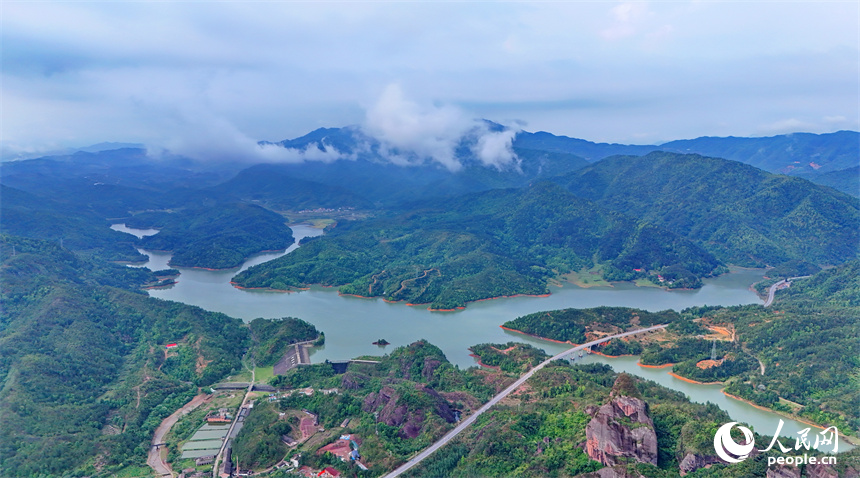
x,y
828,471
821,471
619,471
783,471
353,381
693,461
621,430
430,366
393,412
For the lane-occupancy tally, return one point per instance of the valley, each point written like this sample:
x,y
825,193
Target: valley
x,y
447,267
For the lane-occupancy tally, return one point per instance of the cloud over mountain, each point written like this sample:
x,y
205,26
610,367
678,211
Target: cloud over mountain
x,y
410,133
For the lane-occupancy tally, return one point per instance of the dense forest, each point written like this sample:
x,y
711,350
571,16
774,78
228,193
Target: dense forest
x,y
400,405
85,376
85,373
809,345
510,357
28,215
272,337
805,349
496,243
570,325
743,215
217,237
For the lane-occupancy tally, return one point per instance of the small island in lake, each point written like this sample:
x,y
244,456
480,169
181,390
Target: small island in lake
x,y
381,342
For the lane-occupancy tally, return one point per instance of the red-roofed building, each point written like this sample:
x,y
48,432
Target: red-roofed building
x,y
329,472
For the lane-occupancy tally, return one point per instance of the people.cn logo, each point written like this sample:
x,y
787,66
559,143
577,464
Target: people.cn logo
x,y
724,444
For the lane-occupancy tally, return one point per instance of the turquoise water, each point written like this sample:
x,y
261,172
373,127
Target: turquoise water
x,y
351,324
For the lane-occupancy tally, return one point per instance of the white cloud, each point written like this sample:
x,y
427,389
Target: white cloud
x,y
411,133
404,127
325,153
82,72
202,135
495,149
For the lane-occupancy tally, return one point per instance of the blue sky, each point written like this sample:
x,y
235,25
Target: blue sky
x,y
210,78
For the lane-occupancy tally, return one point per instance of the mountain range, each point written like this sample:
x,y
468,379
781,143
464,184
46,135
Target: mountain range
x,y
86,375
807,155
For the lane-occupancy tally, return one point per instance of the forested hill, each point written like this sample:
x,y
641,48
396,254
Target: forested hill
x,y
84,371
741,214
27,215
371,180
215,237
796,153
272,186
499,242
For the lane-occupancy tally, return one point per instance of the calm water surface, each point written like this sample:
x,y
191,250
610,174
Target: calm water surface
x,y
351,324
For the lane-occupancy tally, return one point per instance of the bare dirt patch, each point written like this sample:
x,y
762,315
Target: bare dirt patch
x,y
706,364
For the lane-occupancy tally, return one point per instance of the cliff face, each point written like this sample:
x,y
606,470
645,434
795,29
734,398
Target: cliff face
x,y
821,471
393,410
783,471
619,471
694,461
828,471
621,430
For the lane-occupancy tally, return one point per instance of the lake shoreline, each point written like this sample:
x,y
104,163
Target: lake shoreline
x,y
690,380
459,307
848,438
352,325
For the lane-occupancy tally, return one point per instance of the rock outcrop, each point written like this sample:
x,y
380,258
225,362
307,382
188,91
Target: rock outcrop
x,y
353,381
783,471
821,471
612,472
622,431
828,471
393,411
418,361
694,461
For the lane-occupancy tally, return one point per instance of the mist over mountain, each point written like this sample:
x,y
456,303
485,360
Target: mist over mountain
x,y
433,222
808,155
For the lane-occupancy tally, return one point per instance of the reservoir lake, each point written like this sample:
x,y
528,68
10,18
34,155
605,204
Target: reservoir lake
x,y
351,324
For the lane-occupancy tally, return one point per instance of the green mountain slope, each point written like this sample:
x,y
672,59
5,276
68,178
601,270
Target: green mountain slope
x,y
218,237
808,344
794,153
272,186
845,180
741,214
84,374
27,215
803,154
495,243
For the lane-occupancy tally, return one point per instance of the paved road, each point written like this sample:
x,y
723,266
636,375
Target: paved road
x,y
155,460
771,292
468,421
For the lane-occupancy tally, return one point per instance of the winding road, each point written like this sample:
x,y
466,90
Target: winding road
x,y
155,460
772,292
468,421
